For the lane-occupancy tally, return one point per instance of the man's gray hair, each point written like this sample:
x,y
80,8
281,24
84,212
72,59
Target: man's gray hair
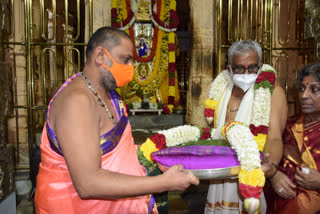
x,y
243,46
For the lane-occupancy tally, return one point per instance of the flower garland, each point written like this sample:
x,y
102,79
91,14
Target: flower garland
x,y
174,20
154,81
126,23
172,60
251,176
247,141
218,86
185,135
154,40
157,16
153,48
160,61
132,13
263,88
168,138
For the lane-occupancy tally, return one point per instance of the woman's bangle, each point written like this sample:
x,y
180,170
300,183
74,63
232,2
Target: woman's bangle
x,y
275,171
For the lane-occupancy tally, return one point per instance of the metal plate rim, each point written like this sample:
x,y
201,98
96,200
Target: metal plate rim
x,y
219,173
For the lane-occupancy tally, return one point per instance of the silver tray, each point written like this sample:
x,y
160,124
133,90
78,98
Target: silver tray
x,y
220,173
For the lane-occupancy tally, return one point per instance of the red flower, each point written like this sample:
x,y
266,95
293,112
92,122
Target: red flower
x,y
206,129
165,109
171,67
173,22
127,108
114,13
269,76
159,140
258,130
171,81
208,112
205,134
250,191
174,19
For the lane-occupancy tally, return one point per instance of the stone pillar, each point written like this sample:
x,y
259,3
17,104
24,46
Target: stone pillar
x,y
7,162
101,15
17,59
202,16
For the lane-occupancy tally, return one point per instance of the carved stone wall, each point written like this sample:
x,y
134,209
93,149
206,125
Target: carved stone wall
x,y
7,163
7,171
5,102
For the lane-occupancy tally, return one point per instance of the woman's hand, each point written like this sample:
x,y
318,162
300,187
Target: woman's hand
x,y
283,186
308,181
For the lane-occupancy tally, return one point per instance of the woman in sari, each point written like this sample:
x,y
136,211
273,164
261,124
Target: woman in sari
x,y
296,183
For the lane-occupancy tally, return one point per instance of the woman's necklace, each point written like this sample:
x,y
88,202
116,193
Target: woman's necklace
x,y
99,98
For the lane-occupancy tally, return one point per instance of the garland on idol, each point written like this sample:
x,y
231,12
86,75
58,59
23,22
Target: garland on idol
x,y
160,62
132,9
124,19
172,57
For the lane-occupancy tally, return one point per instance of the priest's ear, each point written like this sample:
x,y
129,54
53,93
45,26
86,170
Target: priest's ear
x,y
99,55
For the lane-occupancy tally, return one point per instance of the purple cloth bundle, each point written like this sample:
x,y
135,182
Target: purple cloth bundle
x,y
197,157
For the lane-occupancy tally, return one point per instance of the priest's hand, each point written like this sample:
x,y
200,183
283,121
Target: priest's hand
x,y
178,179
162,167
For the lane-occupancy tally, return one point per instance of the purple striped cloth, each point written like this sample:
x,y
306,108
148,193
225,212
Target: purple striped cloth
x,y
197,157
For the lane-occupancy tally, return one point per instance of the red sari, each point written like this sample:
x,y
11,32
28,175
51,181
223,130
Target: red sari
x,y
301,146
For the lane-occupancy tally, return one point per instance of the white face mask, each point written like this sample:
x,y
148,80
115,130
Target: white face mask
x,y
244,81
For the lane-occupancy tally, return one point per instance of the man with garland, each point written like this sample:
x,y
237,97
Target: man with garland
x,y
246,92
88,158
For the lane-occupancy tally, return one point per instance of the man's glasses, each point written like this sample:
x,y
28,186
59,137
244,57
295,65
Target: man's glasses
x,y
241,69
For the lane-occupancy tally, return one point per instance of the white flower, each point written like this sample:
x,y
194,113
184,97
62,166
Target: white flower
x,y
219,85
242,141
216,134
180,135
261,107
251,205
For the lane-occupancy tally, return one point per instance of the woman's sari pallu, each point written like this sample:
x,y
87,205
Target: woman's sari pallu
x,y
301,146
